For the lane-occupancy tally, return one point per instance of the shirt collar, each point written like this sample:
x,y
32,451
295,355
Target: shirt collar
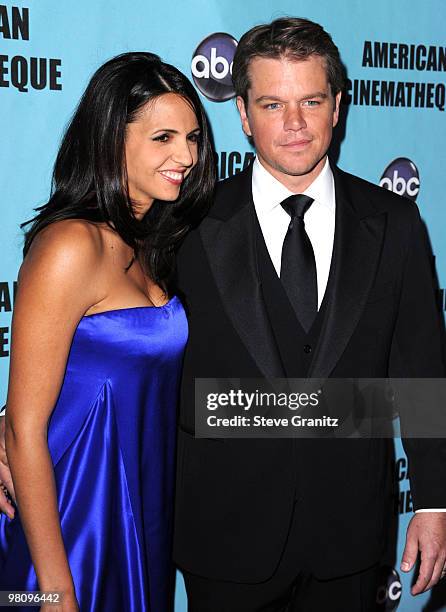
x,y
268,192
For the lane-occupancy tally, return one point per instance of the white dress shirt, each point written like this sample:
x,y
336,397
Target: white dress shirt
x,y
268,193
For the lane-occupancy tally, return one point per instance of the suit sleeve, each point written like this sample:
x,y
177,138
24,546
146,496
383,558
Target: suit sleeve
x,y
418,352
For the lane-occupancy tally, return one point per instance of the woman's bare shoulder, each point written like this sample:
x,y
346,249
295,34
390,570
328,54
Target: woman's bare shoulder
x,y
69,233
72,245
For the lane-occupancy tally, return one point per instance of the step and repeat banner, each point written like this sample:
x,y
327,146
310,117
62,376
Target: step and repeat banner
x,y
392,132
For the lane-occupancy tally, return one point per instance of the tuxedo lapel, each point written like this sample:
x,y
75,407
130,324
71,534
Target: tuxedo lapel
x,y
229,239
359,233
228,236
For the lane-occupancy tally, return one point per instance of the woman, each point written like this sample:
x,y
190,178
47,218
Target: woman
x,y
97,344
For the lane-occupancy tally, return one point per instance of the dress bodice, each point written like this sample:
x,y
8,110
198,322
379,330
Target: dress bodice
x,y
131,350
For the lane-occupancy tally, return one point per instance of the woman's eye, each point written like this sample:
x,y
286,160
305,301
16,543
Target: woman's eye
x,y
162,138
194,137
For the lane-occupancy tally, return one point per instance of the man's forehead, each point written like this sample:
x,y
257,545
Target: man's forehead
x,y
284,62
287,71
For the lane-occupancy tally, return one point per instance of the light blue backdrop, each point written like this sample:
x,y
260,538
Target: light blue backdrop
x,y
83,34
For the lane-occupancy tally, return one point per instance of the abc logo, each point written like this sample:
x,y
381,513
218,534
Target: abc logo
x,y
389,589
212,66
401,176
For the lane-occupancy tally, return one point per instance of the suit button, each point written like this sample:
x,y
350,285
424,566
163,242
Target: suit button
x,y
307,348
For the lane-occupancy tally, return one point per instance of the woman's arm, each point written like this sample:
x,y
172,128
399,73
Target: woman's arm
x,y
58,282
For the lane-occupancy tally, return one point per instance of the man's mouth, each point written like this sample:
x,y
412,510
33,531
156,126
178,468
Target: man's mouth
x,y
296,144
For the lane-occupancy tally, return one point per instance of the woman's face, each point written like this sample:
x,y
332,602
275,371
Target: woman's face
x,y
161,148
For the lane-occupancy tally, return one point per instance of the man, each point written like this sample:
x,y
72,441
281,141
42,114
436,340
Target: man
x,y
266,524
299,524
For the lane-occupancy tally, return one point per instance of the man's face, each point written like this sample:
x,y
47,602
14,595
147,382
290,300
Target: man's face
x,y
290,115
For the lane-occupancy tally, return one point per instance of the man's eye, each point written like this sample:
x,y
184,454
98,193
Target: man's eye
x,y
311,103
162,138
272,106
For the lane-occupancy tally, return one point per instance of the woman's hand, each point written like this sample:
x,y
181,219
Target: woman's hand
x,y
68,604
6,486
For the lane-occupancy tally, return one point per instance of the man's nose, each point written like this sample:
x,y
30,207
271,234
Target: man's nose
x,y
294,118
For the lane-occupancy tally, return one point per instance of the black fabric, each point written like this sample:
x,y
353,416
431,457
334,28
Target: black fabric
x,y
292,588
298,265
235,498
356,592
305,593
295,345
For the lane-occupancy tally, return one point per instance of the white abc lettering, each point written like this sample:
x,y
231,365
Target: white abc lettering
x,y
399,185
204,72
413,186
216,61
386,183
218,67
395,590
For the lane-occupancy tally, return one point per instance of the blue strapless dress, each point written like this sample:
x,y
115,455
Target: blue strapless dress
x,y
112,442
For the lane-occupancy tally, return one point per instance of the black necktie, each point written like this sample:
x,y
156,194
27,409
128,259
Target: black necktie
x,y
298,266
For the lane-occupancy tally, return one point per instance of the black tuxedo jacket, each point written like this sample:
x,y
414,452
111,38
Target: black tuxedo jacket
x,y
235,498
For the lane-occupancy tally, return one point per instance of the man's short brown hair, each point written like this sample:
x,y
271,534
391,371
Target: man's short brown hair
x,y
290,38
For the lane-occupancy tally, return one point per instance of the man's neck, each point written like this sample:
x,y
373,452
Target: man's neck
x,y
295,184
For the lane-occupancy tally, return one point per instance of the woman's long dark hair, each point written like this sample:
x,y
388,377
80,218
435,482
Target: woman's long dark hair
x,y
89,178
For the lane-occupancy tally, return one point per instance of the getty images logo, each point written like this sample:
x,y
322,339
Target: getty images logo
x,y
212,66
401,176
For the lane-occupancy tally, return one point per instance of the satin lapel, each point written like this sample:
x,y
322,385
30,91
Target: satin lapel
x,y
230,247
359,234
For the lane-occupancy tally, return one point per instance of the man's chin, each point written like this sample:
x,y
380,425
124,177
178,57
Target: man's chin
x,y
301,169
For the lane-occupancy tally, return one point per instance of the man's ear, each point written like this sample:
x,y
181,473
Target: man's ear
x,y
337,102
243,115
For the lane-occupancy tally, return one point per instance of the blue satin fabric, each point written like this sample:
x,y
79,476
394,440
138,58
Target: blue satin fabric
x,y
112,442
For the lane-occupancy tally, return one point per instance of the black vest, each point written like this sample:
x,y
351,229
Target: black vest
x,y
296,347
